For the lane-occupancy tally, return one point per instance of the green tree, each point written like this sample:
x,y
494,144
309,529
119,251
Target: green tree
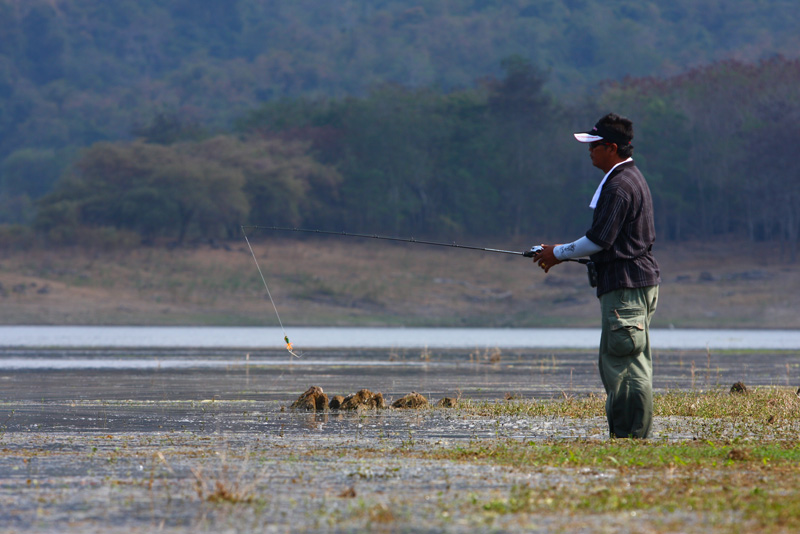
x,y
152,189
45,44
26,175
30,171
191,189
282,182
771,187
523,118
166,128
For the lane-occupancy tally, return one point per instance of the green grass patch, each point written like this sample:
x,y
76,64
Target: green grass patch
x,y
770,506
754,481
767,405
650,454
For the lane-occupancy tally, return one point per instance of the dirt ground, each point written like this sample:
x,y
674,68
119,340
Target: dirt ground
x,y
342,282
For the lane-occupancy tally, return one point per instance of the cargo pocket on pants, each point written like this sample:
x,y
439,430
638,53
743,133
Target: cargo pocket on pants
x,y
626,336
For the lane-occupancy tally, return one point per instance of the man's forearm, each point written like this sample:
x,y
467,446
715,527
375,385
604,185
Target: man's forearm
x,y
577,249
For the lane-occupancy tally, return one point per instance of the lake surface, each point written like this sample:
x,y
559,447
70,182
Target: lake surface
x,y
42,375
305,338
54,363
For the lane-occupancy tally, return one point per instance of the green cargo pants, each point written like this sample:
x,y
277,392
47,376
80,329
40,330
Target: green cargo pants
x,y
626,364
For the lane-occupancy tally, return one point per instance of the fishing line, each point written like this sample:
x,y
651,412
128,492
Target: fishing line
x,y
285,337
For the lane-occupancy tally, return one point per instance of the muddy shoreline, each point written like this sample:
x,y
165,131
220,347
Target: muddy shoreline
x,y
241,469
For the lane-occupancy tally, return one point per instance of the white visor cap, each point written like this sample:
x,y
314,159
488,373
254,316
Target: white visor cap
x,y
587,138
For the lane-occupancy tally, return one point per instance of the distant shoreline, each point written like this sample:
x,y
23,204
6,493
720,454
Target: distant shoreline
x,y
353,284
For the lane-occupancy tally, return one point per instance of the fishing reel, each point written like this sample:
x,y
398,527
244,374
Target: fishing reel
x,y
533,251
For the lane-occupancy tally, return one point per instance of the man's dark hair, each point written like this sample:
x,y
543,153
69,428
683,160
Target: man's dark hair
x,y
623,126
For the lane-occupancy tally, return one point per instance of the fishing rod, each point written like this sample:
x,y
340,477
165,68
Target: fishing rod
x,y
526,253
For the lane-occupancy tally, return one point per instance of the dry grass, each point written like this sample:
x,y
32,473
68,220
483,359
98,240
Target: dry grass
x,y
355,282
765,405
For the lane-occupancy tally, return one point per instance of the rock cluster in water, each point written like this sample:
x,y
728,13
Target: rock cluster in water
x,y
315,399
412,400
363,399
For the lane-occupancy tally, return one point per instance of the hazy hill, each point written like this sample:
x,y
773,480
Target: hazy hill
x,y
76,71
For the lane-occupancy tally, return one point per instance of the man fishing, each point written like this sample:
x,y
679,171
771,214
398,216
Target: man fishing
x,y
619,243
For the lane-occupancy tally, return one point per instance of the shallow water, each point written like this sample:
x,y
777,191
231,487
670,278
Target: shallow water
x,y
89,390
306,338
178,374
221,391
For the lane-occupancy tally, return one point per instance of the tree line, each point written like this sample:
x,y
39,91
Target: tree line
x,y
76,72
497,159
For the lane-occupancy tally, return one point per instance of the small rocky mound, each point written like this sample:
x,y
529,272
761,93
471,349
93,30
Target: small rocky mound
x,y
336,402
313,399
447,402
364,399
413,400
738,389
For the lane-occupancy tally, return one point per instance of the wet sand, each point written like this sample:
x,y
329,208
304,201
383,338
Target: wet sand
x,y
134,442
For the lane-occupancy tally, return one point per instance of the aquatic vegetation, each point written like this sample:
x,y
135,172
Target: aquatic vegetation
x,y
625,453
765,404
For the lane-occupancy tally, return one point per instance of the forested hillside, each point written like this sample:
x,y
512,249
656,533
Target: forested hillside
x,y
432,117
77,71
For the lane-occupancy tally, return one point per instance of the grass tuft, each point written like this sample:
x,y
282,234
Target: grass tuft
x,y
766,404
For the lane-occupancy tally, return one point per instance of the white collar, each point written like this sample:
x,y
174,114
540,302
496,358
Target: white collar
x,y
596,197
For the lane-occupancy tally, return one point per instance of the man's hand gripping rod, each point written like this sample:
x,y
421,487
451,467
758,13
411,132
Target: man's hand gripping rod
x,y
591,271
